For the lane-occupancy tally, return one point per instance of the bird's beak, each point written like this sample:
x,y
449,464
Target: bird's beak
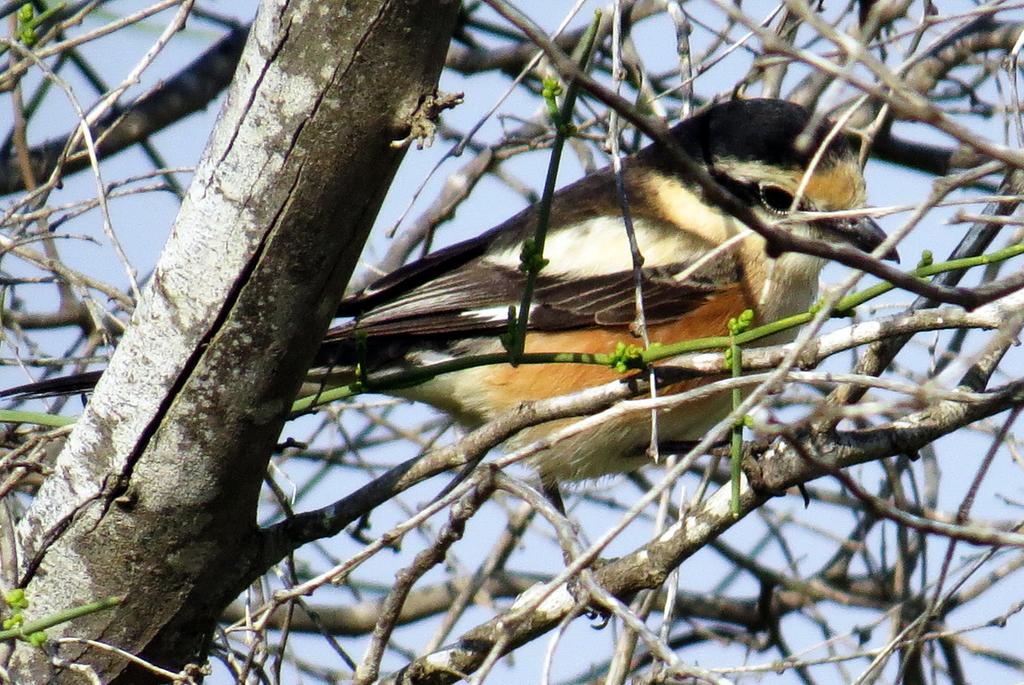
x,y
863,233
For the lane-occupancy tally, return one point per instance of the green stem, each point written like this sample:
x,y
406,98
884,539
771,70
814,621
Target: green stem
x,y
412,377
35,418
845,305
27,629
736,442
535,261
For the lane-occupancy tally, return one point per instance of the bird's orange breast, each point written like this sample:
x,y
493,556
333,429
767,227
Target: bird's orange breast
x,y
507,385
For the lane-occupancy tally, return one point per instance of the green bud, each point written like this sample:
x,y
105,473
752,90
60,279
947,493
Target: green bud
x,y
530,258
552,87
16,599
626,358
741,323
508,338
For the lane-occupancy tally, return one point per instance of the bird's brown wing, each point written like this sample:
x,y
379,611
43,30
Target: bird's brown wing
x,y
474,300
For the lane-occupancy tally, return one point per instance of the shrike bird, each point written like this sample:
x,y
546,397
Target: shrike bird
x,y
700,267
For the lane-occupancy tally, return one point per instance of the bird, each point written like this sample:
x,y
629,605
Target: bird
x,y
700,267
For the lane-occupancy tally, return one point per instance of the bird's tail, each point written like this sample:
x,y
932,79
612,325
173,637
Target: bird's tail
x,y
54,387
333,367
320,379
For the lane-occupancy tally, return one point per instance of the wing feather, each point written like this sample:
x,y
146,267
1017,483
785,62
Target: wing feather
x,y
474,300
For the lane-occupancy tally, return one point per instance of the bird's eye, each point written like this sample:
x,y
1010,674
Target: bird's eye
x,y
776,199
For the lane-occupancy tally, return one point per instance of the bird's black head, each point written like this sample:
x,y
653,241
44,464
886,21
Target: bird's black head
x,y
761,150
770,132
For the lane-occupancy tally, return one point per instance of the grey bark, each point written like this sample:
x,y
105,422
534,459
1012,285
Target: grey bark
x,y
154,497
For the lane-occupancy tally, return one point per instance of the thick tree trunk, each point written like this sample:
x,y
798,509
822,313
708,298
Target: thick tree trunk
x,y
153,499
